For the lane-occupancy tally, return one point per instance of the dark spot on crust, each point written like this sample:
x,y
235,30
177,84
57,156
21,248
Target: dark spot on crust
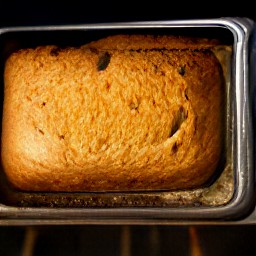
x,y
182,70
178,120
133,106
94,50
62,137
186,95
175,148
108,86
103,61
39,130
55,51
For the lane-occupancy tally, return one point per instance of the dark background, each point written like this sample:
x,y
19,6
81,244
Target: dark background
x,y
107,240
17,12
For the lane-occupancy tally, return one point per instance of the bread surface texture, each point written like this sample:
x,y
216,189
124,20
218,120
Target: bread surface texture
x,y
123,113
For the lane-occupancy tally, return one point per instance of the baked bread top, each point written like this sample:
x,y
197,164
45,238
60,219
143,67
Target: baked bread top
x,y
124,113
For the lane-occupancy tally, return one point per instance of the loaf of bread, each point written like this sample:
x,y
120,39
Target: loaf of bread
x,y
123,113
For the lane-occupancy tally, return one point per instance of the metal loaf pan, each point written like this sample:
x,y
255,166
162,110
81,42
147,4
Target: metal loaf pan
x,y
230,197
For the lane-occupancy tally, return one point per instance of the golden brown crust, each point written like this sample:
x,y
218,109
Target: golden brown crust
x,y
145,42
122,113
